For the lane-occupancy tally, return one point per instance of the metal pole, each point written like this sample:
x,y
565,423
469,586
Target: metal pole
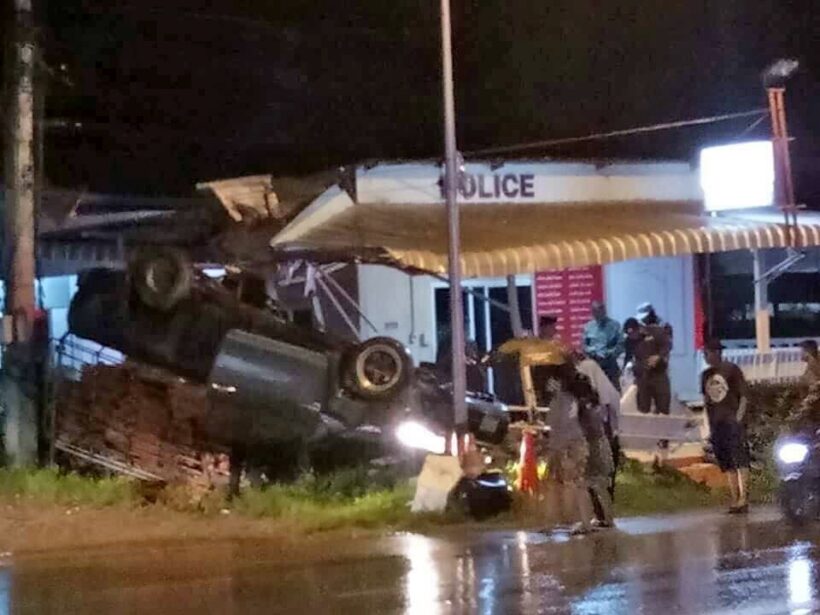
x,y
762,321
18,246
515,310
453,226
783,182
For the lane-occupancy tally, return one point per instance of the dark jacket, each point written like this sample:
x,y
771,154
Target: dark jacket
x,y
656,342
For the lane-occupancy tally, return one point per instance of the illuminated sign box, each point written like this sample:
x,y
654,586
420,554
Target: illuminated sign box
x,y
737,176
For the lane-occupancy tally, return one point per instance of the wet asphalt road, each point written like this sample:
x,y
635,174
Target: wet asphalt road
x,y
696,563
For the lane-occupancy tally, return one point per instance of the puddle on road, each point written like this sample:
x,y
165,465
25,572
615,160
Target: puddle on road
x,y
709,565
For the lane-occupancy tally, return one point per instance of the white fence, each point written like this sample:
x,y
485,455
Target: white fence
x,y
776,366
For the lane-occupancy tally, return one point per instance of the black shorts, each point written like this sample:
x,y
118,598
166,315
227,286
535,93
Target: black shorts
x,y
730,446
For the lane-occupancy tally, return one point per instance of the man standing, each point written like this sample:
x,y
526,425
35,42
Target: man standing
x,y
604,343
568,452
632,337
724,392
609,401
651,369
647,316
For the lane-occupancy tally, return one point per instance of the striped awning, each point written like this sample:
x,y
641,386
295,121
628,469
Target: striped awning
x,y
509,238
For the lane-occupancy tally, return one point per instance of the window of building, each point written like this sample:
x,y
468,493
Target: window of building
x,y
794,297
486,325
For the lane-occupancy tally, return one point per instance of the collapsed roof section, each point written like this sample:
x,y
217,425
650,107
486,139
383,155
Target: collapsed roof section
x,y
230,221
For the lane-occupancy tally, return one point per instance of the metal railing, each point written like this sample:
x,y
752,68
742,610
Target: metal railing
x,y
70,354
779,365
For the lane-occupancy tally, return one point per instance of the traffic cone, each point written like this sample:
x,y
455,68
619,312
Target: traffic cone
x,y
528,464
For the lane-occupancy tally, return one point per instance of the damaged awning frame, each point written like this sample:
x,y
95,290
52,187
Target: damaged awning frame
x,y
503,239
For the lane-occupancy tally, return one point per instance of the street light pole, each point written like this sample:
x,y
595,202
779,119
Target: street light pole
x,y
783,182
774,80
451,166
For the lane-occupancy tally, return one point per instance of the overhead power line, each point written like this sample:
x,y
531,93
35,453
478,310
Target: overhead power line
x,y
506,149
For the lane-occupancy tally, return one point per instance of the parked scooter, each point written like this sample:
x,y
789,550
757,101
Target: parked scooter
x,y
798,464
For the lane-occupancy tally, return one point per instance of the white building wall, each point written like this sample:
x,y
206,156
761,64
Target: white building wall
x,y
401,307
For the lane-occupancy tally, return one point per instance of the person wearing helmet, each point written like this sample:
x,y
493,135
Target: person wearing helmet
x,y
651,362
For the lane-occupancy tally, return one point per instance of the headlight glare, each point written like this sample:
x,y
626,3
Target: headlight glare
x,y
415,435
792,452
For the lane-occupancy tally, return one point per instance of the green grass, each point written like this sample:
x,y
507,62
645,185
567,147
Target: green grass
x,y
347,498
379,508
48,486
643,490
763,484
350,498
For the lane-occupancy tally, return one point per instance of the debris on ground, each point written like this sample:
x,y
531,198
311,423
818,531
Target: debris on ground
x,y
145,418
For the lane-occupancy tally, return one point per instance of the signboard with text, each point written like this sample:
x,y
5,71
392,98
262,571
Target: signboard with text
x,y
568,295
529,182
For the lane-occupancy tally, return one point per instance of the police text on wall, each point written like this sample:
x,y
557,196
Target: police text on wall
x,y
500,186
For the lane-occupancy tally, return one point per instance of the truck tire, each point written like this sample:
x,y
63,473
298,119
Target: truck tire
x,y
378,369
99,309
162,277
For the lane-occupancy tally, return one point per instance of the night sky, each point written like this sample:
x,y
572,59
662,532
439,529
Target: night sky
x,y
177,92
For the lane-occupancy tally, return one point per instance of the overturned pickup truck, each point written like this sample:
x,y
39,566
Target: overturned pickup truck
x,y
271,383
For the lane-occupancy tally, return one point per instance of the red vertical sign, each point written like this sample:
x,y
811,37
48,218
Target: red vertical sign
x,y
568,295
700,316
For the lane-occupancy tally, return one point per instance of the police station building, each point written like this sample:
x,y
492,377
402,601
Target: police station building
x,y
570,233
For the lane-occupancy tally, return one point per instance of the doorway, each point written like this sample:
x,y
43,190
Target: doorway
x,y
485,324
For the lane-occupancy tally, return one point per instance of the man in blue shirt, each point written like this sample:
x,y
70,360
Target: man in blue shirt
x,y
604,343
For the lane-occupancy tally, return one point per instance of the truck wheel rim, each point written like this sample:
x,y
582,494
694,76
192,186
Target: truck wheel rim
x,y
378,368
160,277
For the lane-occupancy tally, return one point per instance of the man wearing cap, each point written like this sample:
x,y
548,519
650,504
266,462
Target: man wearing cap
x,y
603,342
651,362
724,392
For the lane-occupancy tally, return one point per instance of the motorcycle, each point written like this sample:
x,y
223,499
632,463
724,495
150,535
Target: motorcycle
x,y
798,464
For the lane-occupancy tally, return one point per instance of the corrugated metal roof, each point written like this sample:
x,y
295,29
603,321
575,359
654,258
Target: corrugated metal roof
x,y
508,238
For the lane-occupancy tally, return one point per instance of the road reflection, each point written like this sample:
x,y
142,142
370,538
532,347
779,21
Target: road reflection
x,y
688,564
801,579
423,583
5,591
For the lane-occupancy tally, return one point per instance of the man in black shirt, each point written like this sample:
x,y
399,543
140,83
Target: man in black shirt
x,y
724,392
651,369
632,337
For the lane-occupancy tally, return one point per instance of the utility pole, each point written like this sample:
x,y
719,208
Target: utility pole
x,y
774,80
19,387
451,172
